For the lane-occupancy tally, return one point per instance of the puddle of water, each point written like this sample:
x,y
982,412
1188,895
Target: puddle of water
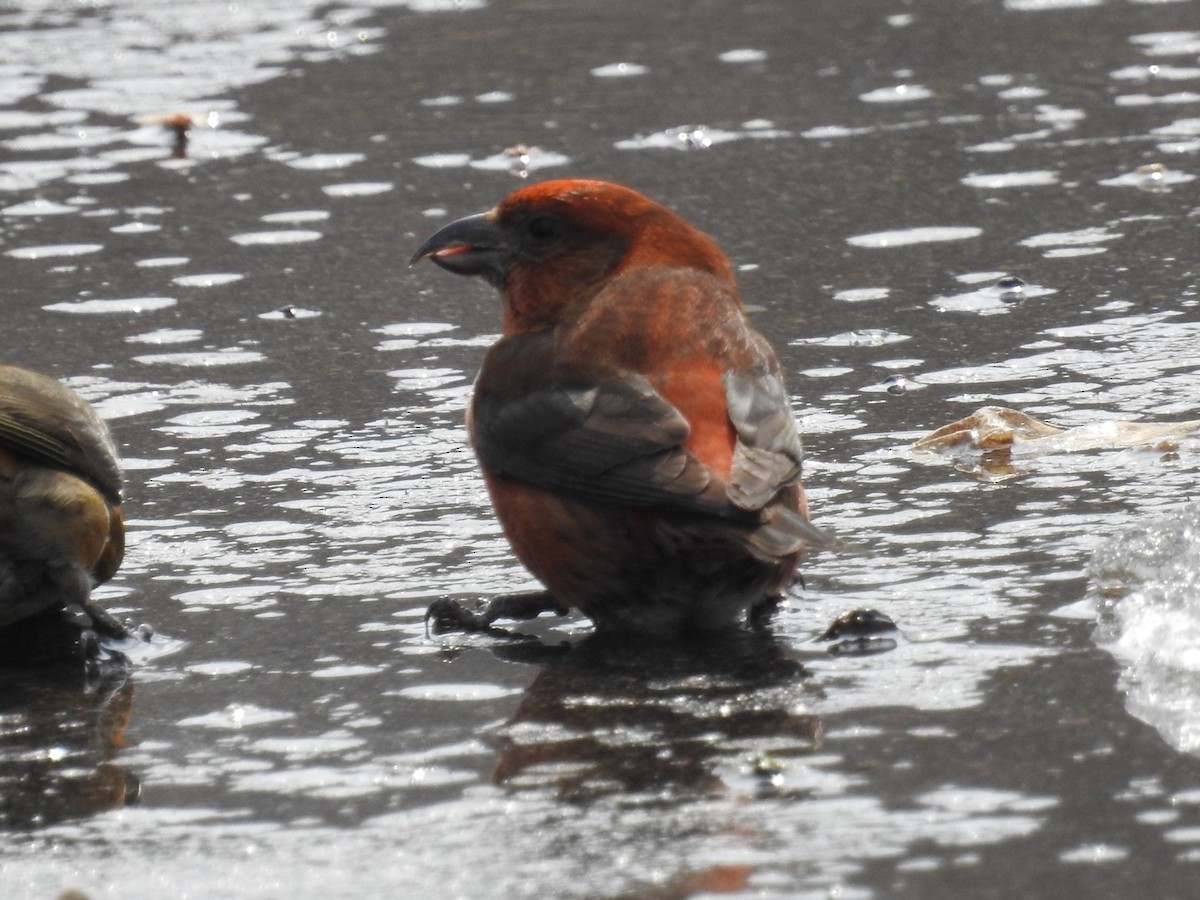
x,y
289,399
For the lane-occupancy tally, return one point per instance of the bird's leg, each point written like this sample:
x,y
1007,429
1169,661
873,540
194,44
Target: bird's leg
x,y
104,623
449,615
760,615
90,617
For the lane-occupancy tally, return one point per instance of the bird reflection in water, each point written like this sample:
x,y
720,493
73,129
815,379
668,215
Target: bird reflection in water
x,y
65,703
624,714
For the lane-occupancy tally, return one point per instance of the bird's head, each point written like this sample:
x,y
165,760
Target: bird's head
x,y
549,245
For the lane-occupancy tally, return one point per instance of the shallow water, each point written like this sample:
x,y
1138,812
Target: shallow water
x,y
288,397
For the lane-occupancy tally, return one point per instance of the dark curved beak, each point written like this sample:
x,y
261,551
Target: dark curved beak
x,y
471,246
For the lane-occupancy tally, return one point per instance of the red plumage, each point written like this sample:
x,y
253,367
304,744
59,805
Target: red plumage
x,y
633,430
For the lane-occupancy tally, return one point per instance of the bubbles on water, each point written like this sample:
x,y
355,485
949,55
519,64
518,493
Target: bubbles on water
x,y
862,295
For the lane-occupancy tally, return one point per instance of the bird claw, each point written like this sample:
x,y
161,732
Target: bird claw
x,y
446,615
104,623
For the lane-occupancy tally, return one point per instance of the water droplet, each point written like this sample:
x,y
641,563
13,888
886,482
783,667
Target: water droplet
x,y
1012,289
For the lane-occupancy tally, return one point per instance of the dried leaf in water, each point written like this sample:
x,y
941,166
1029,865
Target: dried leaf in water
x,y
1002,431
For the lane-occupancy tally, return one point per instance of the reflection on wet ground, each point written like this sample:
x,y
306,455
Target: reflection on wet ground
x,y
934,207
60,741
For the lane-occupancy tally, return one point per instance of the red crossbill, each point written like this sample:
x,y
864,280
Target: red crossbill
x,y
633,430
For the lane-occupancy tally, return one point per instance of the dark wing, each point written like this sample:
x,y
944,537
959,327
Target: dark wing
x,y
49,424
614,440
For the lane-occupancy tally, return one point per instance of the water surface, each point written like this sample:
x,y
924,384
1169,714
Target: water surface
x,y
289,396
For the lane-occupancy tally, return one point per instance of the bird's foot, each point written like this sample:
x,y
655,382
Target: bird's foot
x,y
104,623
447,615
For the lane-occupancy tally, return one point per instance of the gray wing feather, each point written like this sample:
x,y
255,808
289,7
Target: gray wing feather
x,y
768,451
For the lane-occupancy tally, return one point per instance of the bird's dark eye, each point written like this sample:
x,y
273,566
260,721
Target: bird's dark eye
x,y
543,228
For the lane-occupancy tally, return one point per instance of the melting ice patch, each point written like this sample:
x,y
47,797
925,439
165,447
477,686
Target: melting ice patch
x,y
1146,584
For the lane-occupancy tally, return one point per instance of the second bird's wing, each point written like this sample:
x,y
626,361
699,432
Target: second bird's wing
x,y
49,424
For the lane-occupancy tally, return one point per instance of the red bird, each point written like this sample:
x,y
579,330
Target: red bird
x,y
61,527
633,430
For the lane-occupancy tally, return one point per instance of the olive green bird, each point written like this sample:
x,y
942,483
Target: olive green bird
x,y
61,527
